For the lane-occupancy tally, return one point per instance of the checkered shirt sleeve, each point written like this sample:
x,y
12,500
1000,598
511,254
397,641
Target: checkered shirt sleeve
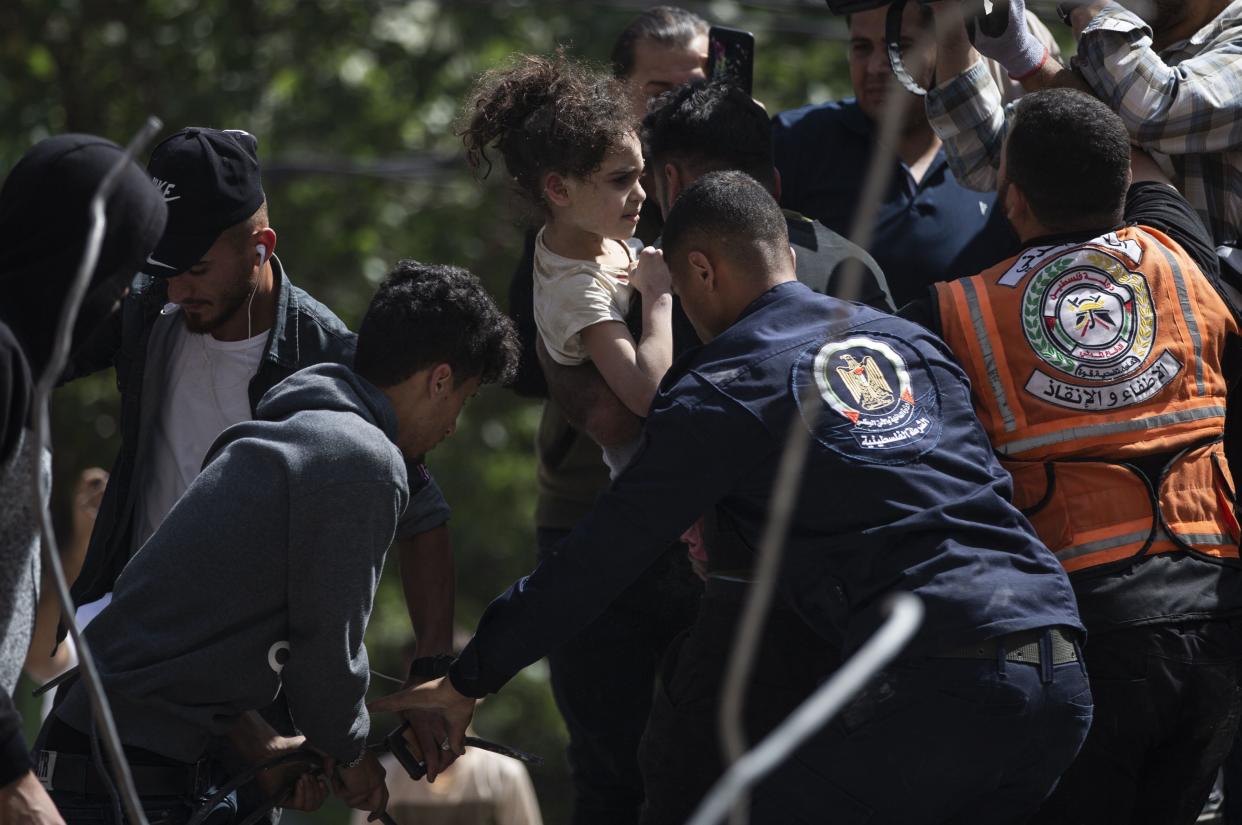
x,y
1187,108
967,114
1184,104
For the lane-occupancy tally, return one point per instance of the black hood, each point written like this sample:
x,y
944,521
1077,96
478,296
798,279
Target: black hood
x,y
44,216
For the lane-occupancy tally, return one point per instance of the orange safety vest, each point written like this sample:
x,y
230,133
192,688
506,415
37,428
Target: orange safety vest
x,y
1082,356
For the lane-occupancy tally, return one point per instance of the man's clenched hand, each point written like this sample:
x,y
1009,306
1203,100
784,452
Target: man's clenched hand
x,y
362,786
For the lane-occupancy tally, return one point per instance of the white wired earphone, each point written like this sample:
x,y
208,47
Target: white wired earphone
x,y
262,250
170,308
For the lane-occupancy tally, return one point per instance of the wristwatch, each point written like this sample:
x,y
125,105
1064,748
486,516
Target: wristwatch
x,y
426,668
1065,10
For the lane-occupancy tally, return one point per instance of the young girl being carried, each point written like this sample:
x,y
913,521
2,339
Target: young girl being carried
x,y
568,140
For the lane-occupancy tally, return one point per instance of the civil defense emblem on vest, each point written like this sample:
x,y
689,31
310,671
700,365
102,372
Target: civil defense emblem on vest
x,y
1086,315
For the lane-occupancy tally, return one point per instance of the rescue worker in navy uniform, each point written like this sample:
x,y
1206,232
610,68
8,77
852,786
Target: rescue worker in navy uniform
x,y
1095,356
988,704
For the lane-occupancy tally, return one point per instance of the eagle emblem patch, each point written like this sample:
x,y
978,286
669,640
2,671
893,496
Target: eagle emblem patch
x,y
880,402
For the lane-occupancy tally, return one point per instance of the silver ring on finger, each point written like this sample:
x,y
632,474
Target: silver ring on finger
x,y
444,746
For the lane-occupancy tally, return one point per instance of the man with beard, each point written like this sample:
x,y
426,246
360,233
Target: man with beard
x,y
211,325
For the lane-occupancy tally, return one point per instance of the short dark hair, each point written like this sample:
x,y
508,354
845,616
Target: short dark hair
x,y
729,212
544,115
666,25
1070,155
710,127
427,314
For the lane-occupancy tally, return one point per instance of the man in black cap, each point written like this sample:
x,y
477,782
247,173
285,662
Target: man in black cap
x,y
43,229
210,325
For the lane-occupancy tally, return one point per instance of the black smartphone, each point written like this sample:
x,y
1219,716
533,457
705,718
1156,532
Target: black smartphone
x,y
731,57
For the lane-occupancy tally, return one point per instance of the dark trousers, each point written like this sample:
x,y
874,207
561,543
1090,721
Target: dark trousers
x,y
936,742
96,805
680,754
603,679
1167,704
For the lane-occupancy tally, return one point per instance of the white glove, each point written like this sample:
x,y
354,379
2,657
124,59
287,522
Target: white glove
x,y
1016,49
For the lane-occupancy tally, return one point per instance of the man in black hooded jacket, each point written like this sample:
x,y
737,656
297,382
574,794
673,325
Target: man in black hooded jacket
x,y
44,218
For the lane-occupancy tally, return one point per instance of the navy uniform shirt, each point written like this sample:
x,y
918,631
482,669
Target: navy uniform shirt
x,y
901,491
933,230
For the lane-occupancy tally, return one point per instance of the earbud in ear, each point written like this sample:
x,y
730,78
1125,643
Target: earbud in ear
x,y
262,250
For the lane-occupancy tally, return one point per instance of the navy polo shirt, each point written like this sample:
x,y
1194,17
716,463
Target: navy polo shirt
x,y
901,491
933,230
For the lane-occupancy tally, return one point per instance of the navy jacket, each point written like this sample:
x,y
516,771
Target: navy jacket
x,y
935,230
901,491
305,333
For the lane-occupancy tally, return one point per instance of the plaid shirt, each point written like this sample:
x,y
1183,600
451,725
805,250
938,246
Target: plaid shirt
x,y
1182,105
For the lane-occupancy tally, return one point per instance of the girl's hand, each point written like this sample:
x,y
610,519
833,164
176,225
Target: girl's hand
x,y
651,277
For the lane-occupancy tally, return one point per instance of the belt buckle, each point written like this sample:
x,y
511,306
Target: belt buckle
x,y
46,768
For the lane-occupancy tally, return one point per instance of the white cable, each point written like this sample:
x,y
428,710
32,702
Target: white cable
x,y
102,713
789,472
905,615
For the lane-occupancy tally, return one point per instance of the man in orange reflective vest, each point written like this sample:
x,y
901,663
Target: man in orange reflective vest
x,y
1095,358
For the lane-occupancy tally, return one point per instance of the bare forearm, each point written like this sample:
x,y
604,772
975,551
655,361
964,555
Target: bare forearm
x,y
655,350
954,53
252,738
428,574
1050,75
41,664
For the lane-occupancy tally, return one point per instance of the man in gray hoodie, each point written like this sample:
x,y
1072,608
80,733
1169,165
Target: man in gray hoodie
x,y
261,578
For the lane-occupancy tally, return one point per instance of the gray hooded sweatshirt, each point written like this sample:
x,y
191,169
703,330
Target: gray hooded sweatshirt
x,y
261,577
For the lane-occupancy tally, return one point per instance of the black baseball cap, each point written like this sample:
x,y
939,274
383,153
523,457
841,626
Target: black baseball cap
x,y
210,181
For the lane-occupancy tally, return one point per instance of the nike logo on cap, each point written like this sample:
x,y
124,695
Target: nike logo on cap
x,y
154,262
166,190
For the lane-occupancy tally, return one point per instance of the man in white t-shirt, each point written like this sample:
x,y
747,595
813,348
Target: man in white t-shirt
x,y
211,324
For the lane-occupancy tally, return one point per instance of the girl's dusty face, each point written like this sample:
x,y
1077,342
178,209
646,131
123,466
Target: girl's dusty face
x,y
607,202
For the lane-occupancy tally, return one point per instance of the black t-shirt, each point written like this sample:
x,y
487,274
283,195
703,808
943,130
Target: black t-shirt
x,y
1167,587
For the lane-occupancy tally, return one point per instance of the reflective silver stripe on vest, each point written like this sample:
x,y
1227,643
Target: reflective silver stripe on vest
x,y
1085,548
1195,539
989,357
1134,425
1183,298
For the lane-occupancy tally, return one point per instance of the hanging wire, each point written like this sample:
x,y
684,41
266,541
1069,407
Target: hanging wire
x,y
834,694
905,614
101,712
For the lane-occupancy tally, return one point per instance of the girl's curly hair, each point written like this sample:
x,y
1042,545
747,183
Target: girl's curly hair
x,y
544,115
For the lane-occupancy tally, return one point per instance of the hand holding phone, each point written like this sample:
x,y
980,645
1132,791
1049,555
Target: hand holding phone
x,y
731,57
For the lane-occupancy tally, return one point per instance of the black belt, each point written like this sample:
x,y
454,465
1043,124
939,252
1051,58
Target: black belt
x,y
1023,646
76,773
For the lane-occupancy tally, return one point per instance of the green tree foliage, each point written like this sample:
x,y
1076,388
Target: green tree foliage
x,y
353,102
